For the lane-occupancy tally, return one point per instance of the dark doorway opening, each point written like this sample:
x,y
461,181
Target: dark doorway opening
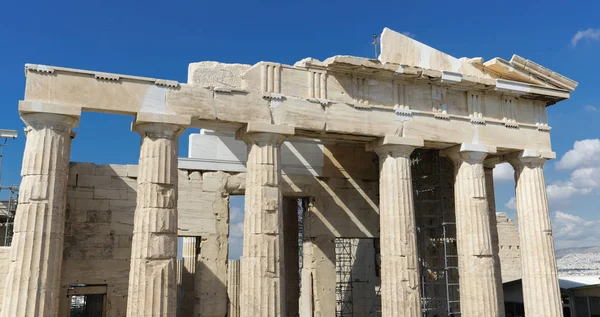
x,y
87,300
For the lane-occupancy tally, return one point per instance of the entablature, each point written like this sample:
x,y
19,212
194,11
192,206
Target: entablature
x,y
440,115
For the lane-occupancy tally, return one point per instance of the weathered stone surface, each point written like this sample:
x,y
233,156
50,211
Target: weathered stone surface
x,y
400,276
152,278
319,277
491,199
262,285
541,292
510,248
233,288
33,280
478,289
187,305
216,75
398,48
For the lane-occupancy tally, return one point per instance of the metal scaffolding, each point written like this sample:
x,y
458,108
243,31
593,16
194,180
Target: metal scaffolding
x,y
13,190
375,310
344,260
10,214
436,233
302,210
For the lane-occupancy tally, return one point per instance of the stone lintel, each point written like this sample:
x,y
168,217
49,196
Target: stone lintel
x,y
391,140
264,132
255,127
469,147
147,117
26,107
530,154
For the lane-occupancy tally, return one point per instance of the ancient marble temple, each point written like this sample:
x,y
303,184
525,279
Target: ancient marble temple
x,y
333,158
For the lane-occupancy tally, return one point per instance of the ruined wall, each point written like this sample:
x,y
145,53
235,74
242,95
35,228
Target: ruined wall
x,y
510,252
204,212
101,205
99,228
101,202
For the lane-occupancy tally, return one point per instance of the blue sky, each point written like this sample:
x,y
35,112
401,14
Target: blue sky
x,y
160,38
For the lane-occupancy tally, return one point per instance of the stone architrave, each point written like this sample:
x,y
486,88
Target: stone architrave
x,y
400,278
33,280
262,284
491,197
541,292
153,277
478,289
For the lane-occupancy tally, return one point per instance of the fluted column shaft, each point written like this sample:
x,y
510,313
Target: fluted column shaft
x,y
478,289
33,280
153,277
491,197
400,287
190,258
541,292
262,289
233,288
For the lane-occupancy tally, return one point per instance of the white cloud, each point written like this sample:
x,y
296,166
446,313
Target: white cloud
x,y
236,239
236,214
504,172
511,204
589,34
235,248
236,230
584,153
572,231
590,108
584,159
409,34
564,190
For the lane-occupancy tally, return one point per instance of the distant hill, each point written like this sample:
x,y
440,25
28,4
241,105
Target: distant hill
x,y
579,261
584,250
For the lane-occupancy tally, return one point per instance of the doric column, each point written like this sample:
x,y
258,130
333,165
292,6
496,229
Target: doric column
x,y
541,293
190,258
233,288
153,277
491,197
262,289
33,280
478,289
400,281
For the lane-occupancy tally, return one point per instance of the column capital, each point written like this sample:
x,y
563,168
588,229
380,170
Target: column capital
x,y
395,145
491,162
254,132
530,158
470,153
37,115
160,125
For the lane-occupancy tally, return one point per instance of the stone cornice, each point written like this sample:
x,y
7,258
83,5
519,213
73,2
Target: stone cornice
x,y
98,75
374,68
